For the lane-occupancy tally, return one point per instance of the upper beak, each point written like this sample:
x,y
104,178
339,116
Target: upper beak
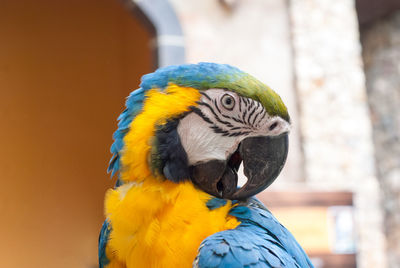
x,y
263,159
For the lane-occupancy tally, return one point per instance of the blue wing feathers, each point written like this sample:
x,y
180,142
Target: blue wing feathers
x,y
103,239
259,241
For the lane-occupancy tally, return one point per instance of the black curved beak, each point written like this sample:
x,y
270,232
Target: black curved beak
x,y
263,159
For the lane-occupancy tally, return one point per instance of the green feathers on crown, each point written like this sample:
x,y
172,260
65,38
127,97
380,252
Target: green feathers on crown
x,y
205,75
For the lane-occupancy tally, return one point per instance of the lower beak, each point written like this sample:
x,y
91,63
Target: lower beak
x,y
263,159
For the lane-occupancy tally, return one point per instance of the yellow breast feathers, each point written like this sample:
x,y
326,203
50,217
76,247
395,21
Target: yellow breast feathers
x,y
161,224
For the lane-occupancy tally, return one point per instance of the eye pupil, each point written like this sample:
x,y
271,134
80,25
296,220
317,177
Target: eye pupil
x,y
228,101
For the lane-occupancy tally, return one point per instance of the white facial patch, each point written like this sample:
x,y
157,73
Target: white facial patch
x,y
221,121
201,143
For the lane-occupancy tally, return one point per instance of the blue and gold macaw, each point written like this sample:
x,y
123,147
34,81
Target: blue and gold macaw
x,y
177,150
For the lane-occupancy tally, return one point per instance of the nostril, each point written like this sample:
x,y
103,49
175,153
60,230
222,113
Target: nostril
x,y
273,126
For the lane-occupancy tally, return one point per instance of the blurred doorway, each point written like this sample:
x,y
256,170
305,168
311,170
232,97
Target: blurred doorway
x,y
65,70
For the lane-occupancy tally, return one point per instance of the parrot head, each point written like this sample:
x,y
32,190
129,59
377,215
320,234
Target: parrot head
x,y
230,118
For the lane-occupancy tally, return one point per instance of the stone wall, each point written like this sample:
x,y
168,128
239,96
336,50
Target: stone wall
x,y
334,117
381,52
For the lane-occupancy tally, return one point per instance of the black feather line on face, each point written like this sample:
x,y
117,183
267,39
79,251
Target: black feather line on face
x,y
235,119
216,106
200,113
205,95
226,123
246,101
235,134
250,115
168,155
255,118
244,115
262,118
214,127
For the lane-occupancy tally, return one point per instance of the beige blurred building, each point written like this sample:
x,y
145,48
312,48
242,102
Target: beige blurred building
x,y
66,67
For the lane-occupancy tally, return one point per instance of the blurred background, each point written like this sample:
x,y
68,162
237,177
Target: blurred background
x,y
67,66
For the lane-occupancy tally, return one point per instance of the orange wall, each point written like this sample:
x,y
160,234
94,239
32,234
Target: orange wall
x,y
65,70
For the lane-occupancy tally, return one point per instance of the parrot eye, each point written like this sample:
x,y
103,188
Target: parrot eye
x,y
228,102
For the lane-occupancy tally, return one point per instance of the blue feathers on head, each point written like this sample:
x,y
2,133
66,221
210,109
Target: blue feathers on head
x,y
203,75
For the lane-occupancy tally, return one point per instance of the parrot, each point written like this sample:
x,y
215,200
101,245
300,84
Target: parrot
x,y
179,144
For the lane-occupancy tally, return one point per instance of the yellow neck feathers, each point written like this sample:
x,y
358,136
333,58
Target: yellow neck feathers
x,y
155,222
159,106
